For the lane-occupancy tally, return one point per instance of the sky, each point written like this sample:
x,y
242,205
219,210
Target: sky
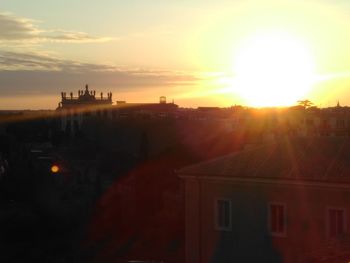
x,y
197,52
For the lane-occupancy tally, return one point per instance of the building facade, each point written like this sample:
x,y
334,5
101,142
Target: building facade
x,y
288,201
73,109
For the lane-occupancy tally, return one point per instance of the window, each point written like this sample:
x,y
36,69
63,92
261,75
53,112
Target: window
x,y
336,221
277,219
340,123
325,123
309,122
223,214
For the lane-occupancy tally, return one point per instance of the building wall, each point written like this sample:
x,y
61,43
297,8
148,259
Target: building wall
x,y
250,240
192,211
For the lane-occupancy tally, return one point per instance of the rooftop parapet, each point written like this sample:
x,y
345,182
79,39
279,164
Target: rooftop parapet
x,y
85,97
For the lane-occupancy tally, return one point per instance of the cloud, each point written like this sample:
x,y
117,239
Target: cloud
x,y
19,30
41,73
40,61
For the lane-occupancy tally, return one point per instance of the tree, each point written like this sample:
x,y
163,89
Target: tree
x,y
305,103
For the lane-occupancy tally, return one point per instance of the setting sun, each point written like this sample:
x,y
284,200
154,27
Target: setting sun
x,y
273,69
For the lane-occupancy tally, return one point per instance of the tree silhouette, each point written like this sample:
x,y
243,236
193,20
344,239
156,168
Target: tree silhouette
x,y
305,103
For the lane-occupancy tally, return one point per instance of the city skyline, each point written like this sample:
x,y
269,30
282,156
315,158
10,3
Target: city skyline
x,y
199,53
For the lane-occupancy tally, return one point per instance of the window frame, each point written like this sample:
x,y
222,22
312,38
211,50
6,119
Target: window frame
x,y
217,225
269,218
328,228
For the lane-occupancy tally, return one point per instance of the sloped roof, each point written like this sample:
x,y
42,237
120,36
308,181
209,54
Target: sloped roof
x,y
319,159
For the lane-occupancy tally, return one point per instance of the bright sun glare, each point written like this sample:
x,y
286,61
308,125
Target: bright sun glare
x,y
273,70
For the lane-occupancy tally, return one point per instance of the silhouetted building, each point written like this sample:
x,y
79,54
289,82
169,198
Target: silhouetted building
x,y
148,110
85,98
74,109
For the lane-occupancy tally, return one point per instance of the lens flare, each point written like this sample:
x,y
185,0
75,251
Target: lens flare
x,y
55,169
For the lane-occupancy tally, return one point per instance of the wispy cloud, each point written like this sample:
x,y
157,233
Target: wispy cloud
x,y
28,73
41,61
19,30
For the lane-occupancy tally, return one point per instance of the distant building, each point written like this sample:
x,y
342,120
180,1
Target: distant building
x,y
286,201
333,121
74,109
85,98
146,110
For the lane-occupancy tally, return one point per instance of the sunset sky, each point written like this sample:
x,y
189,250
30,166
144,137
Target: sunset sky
x,y
197,52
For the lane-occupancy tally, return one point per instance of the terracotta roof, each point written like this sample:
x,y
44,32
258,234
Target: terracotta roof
x,y
319,159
